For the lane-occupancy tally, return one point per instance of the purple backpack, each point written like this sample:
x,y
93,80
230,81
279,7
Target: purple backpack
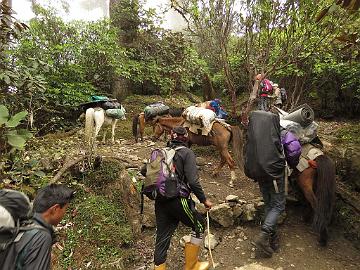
x,y
162,178
292,148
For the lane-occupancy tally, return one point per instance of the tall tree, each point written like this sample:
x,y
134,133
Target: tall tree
x,y
212,22
124,16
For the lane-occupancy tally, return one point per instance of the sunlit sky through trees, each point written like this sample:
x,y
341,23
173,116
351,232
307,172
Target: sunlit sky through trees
x,y
91,10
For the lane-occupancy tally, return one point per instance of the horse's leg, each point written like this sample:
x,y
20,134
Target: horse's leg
x,y
231,163
305,182
99,121
219,167
113,125
89,125
141,126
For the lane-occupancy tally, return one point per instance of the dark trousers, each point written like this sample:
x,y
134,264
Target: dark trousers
x,y
274,203
168,214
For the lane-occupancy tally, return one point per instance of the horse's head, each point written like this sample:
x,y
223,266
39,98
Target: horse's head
x,y
158,130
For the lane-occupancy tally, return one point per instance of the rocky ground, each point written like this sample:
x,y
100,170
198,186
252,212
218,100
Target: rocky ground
x,y
299,248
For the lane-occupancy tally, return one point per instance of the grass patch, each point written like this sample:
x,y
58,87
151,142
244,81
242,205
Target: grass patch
x,y
349,134
100,235
107,173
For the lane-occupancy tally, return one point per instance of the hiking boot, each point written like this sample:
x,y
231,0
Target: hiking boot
x,y
275,242
191,258
263,245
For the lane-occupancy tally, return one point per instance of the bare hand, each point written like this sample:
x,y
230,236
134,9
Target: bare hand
x,y
207,204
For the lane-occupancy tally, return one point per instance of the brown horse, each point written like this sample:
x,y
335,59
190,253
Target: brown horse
x,y
318,187
219,136
139,122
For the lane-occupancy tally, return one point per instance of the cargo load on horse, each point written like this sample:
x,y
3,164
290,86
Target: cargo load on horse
x,y
100,102
300,122
118,113
197,118
215,106
156,109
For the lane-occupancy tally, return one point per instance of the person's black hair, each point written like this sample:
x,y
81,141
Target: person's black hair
x,y
51,195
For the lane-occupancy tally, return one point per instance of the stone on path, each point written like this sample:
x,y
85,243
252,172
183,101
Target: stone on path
x,y
222,214
253,266
232,198
213,241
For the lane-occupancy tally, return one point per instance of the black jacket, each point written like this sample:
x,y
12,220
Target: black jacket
x,y
37,246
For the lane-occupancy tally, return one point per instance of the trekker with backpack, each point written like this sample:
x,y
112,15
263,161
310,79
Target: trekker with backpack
x,y
29,246
173,202
267,150
265,91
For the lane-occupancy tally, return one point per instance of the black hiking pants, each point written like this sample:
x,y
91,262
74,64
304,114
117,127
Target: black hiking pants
x,y
168,214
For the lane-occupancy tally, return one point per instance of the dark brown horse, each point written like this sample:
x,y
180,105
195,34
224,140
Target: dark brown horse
x,y
219,136
139,122
318,187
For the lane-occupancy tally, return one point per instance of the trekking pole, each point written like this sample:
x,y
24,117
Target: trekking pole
x,y
208,229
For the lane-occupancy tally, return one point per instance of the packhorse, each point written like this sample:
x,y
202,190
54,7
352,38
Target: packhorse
x,y
139,122
95,118
317,184
219,136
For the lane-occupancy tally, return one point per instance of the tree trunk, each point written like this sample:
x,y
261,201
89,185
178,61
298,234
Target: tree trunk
x,y
208,89
228,77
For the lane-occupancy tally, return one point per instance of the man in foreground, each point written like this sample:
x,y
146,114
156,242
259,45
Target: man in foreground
x,y
33,250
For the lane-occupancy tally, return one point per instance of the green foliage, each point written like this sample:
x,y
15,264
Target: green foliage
x,y
9,133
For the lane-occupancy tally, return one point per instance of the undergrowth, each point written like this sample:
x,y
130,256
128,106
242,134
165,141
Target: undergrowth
x,y
349,134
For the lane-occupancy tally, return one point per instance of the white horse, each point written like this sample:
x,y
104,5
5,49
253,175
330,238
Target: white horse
x,y
94,119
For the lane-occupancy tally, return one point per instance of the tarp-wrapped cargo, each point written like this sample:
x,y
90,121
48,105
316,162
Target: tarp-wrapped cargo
x,y
300,122
304,115
305,135
264,155
116,113
156,109
110,105
199,116
99,98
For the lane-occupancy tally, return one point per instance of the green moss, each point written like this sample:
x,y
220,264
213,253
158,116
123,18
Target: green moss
x,y
101,233
107,173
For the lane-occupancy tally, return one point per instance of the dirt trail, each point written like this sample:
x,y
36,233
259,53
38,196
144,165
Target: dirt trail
x,y
299,248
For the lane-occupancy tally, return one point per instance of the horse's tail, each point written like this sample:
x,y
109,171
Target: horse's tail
x,y
237,144
325,194
89,124
135,123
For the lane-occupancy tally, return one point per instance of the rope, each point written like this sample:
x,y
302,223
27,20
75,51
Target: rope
x,y
208,229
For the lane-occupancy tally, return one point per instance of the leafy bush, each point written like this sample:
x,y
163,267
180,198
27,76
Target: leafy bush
x,y
9,133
